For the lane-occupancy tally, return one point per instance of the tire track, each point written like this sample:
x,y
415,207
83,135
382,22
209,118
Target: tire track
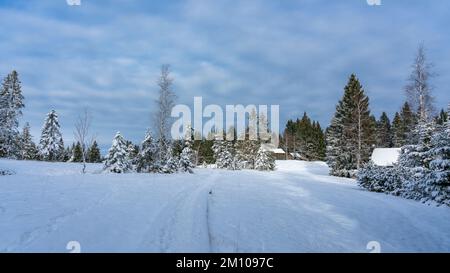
x,y
183,225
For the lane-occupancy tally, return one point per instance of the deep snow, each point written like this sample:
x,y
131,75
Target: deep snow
x,y
297,208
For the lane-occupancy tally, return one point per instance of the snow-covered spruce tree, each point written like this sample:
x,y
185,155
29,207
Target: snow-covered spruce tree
x,y
94,155
414,162
368,178
28,149
380,179
11,104
351,134
117,160
240,158
67,154
264,161
171,162
334,157
163,153
438,179
146,159
217,148
51,145
186,162
223,154
132,152
244,152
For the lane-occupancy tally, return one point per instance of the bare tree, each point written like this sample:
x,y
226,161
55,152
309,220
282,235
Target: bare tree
x,y
164,103
81,133
418,89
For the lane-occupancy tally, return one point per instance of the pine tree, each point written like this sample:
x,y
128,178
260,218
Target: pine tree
x,y
304,137
205,152
94,155
61,150
384,134
177,147
409,120
28,149
117,160
290,133
51,145
322,144
397,131
77,153
187,157
442,118
351,130
68,152
318,140
11,105
171,162
147,155
264,161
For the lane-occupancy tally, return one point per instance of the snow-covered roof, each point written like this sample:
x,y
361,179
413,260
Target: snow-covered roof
x,y
271,148
385,156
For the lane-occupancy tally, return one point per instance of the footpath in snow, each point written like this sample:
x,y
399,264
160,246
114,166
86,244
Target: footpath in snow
x,y
297,208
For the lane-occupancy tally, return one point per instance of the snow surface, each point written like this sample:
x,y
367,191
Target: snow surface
x,y
298,208
385,156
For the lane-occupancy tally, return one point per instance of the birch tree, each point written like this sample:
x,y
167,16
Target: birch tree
x,y
418,89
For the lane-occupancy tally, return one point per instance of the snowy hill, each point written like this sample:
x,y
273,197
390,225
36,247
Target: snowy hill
x,y
297,208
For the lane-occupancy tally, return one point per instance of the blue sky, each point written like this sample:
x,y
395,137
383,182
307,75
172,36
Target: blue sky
x,y
106,55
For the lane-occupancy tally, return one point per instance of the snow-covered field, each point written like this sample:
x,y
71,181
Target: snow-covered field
x,y
298,208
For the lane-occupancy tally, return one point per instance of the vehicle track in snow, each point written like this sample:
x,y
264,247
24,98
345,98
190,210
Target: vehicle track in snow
x,y
182,225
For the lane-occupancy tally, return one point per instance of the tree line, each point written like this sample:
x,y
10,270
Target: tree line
x,y
304,139
18,144
166,155
423,168
354,132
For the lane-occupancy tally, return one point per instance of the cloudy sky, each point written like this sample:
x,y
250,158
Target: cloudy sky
x,y
106,54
